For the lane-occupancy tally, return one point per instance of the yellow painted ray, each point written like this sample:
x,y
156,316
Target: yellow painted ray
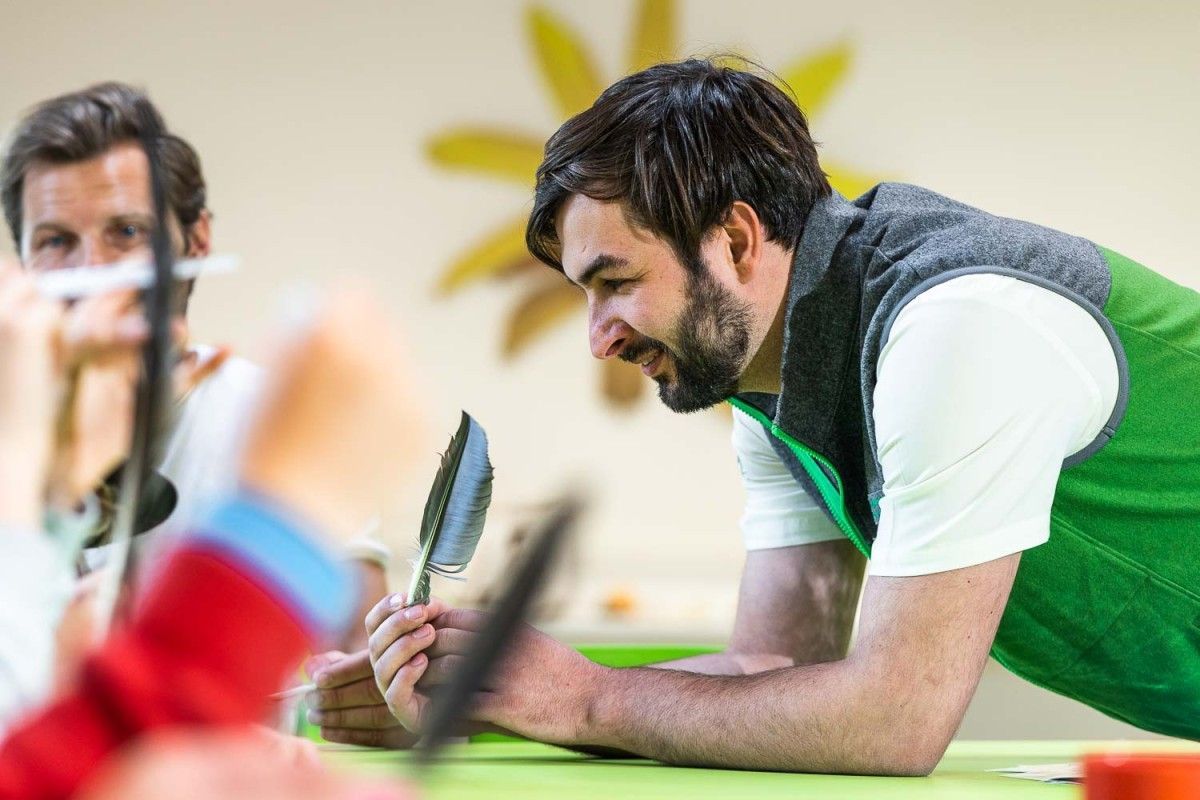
x,y
814,77
539,312
502,154
565,64
849,182
499,252
654,37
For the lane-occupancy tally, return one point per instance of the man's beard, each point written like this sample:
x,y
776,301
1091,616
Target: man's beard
x,y
713,333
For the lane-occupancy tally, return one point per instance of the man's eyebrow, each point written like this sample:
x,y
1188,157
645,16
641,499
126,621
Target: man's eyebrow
x,y
132,216
51,225
602,261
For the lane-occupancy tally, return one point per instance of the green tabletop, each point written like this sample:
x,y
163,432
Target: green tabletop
x,y
511,770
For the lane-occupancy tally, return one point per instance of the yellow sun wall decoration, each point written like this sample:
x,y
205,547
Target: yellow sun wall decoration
x,y
573,82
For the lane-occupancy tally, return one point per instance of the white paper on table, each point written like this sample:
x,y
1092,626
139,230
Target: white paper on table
x,y
1044,773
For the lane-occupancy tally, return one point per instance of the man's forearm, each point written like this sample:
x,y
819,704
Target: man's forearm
x,y
802,719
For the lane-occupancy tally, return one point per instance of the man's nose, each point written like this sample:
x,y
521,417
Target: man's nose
x,y
609,337
95,253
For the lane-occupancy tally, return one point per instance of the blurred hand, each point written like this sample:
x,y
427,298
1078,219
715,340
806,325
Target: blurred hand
x,y
231,765
30,385
338,424
64,414
349,706
100,345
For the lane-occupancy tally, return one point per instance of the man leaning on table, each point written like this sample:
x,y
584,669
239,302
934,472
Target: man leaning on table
x,y
1000,416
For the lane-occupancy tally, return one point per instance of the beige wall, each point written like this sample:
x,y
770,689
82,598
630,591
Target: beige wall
x,y
312,119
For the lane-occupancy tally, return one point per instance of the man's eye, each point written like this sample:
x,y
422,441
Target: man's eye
x,y
53,241
613,284
130,231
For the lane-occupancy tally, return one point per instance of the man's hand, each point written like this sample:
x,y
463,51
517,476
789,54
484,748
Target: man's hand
x,y
100,354
349,706
49,354
396,638
542,689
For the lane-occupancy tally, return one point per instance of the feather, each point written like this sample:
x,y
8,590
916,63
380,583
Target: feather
x,y
456,509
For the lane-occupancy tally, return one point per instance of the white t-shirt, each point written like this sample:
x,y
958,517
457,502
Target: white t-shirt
x,y
205,444
202,450
986,384
202,455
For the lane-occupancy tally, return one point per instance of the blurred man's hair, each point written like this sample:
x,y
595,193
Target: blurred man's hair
x,y
84,124
677,144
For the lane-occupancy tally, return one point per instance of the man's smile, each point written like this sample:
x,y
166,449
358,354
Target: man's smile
x,y
652,363
650,357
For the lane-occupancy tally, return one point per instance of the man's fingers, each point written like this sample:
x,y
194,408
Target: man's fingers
x,y
401,652
362,692
375,717
407,705
393,603
462,618
322,661
440,670
16,288
348,669
382,610
450,641
397,625
97,325
360,736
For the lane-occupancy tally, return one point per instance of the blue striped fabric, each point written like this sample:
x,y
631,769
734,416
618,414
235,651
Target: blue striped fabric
x,y
280,549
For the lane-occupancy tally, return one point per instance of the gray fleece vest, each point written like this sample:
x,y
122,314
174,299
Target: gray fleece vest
x,y
1108,610
858,264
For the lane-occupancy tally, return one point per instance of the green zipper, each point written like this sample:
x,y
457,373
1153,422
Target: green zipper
x,y
812,461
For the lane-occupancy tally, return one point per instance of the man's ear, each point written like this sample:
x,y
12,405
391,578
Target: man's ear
x,y
198,240
745,232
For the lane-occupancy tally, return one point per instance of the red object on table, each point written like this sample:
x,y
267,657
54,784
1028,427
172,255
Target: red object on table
x,y
1142,777
209,643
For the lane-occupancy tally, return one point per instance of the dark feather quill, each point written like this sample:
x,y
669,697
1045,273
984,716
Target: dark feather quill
x,y
452,704
456,509
153,391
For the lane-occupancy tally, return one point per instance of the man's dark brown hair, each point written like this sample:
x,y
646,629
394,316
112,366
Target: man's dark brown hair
x,y
677,144
84,124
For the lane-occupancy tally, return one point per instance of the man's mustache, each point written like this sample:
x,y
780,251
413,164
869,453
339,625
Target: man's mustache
x,y
636,353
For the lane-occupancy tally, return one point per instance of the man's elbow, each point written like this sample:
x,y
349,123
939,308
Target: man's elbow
x,y
913,764
907,755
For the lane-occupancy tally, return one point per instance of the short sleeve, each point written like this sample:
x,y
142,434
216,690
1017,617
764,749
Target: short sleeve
x,y
779,512
986,384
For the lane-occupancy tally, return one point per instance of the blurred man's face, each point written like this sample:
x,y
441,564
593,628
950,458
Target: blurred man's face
x,y
98,212
89,213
